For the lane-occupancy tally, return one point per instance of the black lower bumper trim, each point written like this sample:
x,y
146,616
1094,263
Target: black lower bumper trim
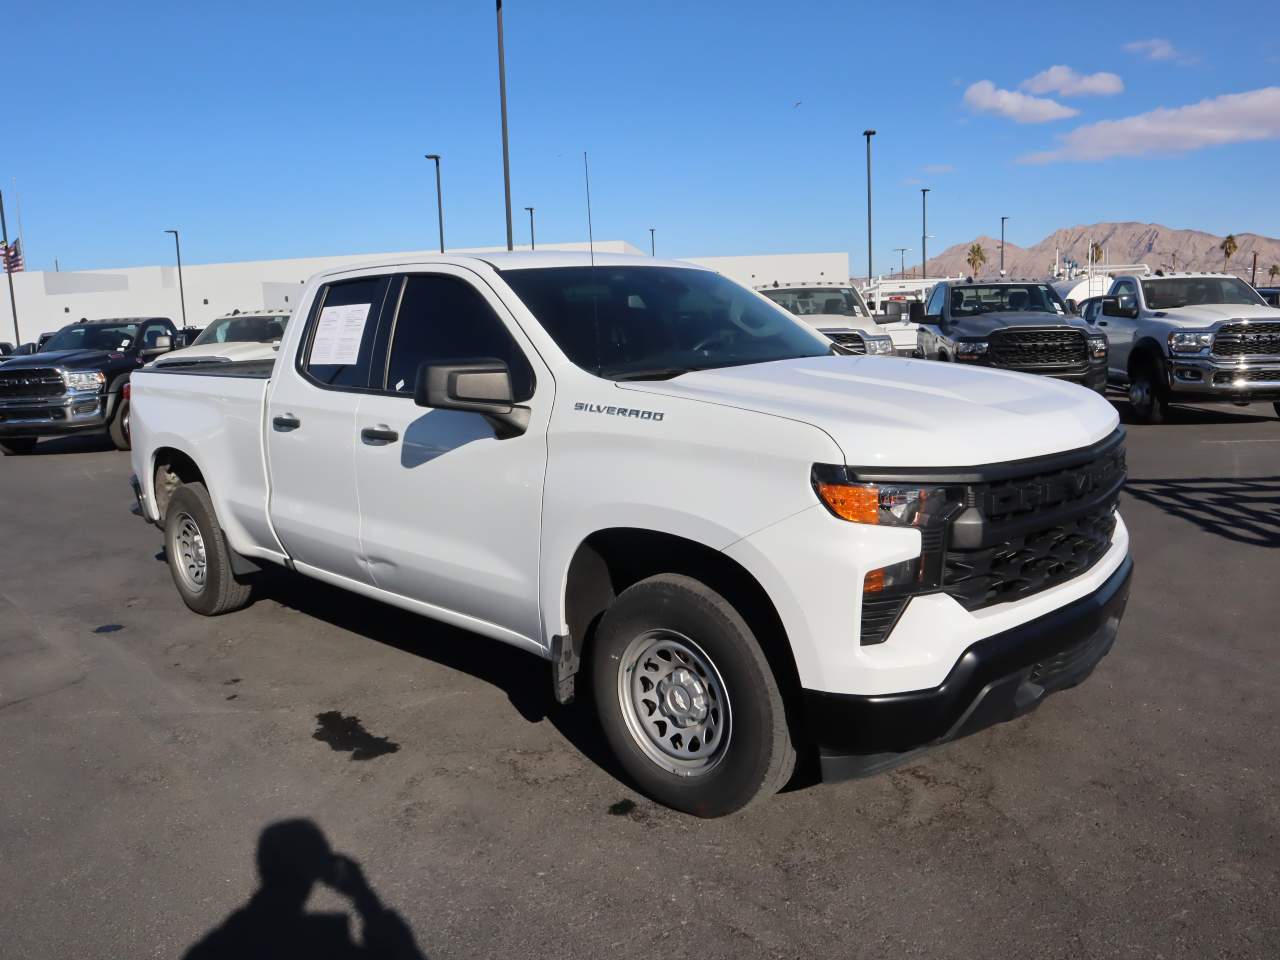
x,y
996,679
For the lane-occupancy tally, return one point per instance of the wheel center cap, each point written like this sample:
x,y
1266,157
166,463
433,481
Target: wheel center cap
x,y
683,698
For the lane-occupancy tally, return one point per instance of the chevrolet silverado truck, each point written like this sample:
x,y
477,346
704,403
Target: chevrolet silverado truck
x,y
77,382
745,547
1191,337
1019,325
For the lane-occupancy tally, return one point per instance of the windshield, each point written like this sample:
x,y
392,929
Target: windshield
x,y
93,336
658,322
1169,293
246,329
811,301
970,300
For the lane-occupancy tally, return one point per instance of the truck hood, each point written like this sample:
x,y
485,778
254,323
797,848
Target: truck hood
x,y
218,351
72,359
839,321
890,412
1204,314
984,323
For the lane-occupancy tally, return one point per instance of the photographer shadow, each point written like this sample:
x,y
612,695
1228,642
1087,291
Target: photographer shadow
x,y
292,856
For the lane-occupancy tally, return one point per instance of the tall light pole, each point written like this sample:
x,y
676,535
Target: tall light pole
x,y
653,244
531,245
1002,220
506,153
868,134
182,296
439,197
13,302
902,260
924,232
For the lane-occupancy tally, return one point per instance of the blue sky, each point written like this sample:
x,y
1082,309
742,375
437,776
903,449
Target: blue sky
x,y
286,129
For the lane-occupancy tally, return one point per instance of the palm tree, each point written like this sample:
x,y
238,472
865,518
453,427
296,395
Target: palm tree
x,y
976,258
1273,271
1095,252
1228,248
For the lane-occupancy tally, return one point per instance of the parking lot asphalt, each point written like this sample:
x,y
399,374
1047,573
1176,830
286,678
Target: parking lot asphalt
x,y
143,749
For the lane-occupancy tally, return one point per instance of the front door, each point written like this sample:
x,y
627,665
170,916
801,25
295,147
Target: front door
x,y
451,513
1120,330
311,428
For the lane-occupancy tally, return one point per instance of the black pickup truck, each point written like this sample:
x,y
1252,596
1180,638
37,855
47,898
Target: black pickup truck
x,y
1014,325
78,381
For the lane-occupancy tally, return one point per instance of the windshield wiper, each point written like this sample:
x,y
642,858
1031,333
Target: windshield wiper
x,y
655,373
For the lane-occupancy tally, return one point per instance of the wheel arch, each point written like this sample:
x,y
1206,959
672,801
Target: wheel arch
x,y
177,467
1144,350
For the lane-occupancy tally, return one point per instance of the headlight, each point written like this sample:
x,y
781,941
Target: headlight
x,y
1190,341
1098,347
879,345
971,349
83,379
927,508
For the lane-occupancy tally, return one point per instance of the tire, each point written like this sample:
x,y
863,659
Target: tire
x,y
17,446
198,556
119,429
700,651
1147,395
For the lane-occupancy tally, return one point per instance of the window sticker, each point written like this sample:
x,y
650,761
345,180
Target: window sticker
x,y
338,335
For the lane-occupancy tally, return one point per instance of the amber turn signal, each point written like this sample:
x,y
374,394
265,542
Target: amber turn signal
x,y
849,502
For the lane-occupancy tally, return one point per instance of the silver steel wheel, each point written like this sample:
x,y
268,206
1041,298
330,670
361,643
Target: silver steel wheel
x,y
186,547
674,703
1140,394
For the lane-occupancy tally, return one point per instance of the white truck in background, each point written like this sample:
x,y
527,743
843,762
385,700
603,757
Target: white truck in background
x,y
748,547
841,314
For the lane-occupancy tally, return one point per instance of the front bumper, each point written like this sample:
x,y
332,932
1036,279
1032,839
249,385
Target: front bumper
x,y
1191,377
996,679
54,416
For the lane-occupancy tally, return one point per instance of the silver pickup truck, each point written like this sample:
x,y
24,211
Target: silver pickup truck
x,y
1190,337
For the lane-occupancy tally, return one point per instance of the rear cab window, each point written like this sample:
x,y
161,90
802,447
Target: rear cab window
x,y
338,347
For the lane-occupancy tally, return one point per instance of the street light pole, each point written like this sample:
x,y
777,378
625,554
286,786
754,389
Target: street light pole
x,y
182,296
439,197
13,302
653,245
531,244
1002,220
506,153
924,232
902,260
868,134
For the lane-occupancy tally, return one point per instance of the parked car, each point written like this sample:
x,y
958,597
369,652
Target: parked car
x,y
747,546
1017,325
76,382
1193,337
238,336
838,313
1271,295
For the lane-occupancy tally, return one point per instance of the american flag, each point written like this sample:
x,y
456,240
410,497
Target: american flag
x,y
12,257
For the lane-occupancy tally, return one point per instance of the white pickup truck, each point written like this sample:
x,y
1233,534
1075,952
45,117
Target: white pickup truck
x,y
745,547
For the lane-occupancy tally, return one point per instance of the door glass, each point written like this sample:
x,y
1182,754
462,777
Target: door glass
x,y
338,345
446,320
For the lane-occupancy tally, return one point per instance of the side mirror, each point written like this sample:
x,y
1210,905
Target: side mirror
x,y
162,344
1119,307
1072,306
915,312
478,386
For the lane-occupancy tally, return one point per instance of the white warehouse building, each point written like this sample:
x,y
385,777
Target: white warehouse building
x,y
47,301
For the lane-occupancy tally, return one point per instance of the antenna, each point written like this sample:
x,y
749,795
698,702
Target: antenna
x,y
591,240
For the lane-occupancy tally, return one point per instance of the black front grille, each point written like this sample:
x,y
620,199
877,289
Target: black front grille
x,y
850,341
31,383
1037,348
1023,565
1248,376
1247,339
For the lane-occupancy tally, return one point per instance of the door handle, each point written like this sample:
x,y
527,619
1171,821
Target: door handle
x,y
377,436
286,423
1102,323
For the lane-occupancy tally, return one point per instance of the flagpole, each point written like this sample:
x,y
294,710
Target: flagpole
x,y
13,301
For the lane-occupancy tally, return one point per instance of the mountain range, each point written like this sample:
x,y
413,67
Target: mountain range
x,y
1122,243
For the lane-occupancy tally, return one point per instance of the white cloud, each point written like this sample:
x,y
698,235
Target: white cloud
x,y
1231,118
985,97
1157,48
1063,80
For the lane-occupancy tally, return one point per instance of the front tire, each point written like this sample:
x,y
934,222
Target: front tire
x,y
1147,395
17,446
687,699
198,555
119,429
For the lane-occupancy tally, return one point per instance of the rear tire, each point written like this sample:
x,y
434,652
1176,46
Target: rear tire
x,y
198,555
119,429
17,446
1147,395
687,699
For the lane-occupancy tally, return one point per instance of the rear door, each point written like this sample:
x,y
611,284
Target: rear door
x,y
311,427
451,514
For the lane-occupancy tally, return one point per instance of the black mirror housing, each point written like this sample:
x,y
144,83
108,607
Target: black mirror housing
x,y
915,312
474,386
1111,308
